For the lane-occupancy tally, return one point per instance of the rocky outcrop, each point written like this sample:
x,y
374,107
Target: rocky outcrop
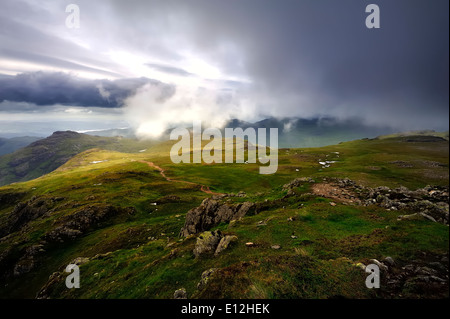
x,y
212,212
58,277
426,276
18,261
76,224
25,212
206,276
53,281
8,199
430,202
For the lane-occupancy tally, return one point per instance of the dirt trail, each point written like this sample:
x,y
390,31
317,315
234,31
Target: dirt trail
x,y
203,188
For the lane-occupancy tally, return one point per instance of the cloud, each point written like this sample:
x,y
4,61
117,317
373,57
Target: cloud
x,y
168,69
42,88
248,59
151,112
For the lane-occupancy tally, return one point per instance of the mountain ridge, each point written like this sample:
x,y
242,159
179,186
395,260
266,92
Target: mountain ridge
x,y
45,155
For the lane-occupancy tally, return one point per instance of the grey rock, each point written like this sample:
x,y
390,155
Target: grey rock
x,y
379,264
207,243
206,276
224,243
212,212
426,271
390,261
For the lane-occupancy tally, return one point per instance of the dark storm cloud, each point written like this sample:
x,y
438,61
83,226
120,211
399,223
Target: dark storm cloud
x,y
317,58
301,57
322,51
43,88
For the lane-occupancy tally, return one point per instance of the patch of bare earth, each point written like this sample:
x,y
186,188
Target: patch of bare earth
x,y
335,192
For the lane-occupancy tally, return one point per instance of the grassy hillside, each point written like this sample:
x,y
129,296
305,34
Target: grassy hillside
x,y
424,133
123,218
45,155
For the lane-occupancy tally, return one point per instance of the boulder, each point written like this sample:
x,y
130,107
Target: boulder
x,y
210,213
224,243
207,243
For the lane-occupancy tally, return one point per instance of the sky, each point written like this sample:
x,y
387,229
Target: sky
x,y
150,65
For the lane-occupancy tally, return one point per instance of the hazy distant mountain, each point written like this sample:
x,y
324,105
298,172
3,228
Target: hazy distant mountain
x,y
124,132
9,145
294,132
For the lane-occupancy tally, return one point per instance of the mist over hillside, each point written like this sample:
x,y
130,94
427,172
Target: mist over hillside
x,y
292,132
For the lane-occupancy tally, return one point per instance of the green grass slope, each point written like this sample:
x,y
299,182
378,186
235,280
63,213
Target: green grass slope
x,y
125,218
45,155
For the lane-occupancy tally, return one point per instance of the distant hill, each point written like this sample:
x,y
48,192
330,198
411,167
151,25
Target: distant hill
x,y
9,145
428,133
45,155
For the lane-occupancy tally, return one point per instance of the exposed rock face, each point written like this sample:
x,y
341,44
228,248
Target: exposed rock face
x,y
17,261
47,289
25,212
428,277
212,212
9,199
79,222
28,261
59,276
430,202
